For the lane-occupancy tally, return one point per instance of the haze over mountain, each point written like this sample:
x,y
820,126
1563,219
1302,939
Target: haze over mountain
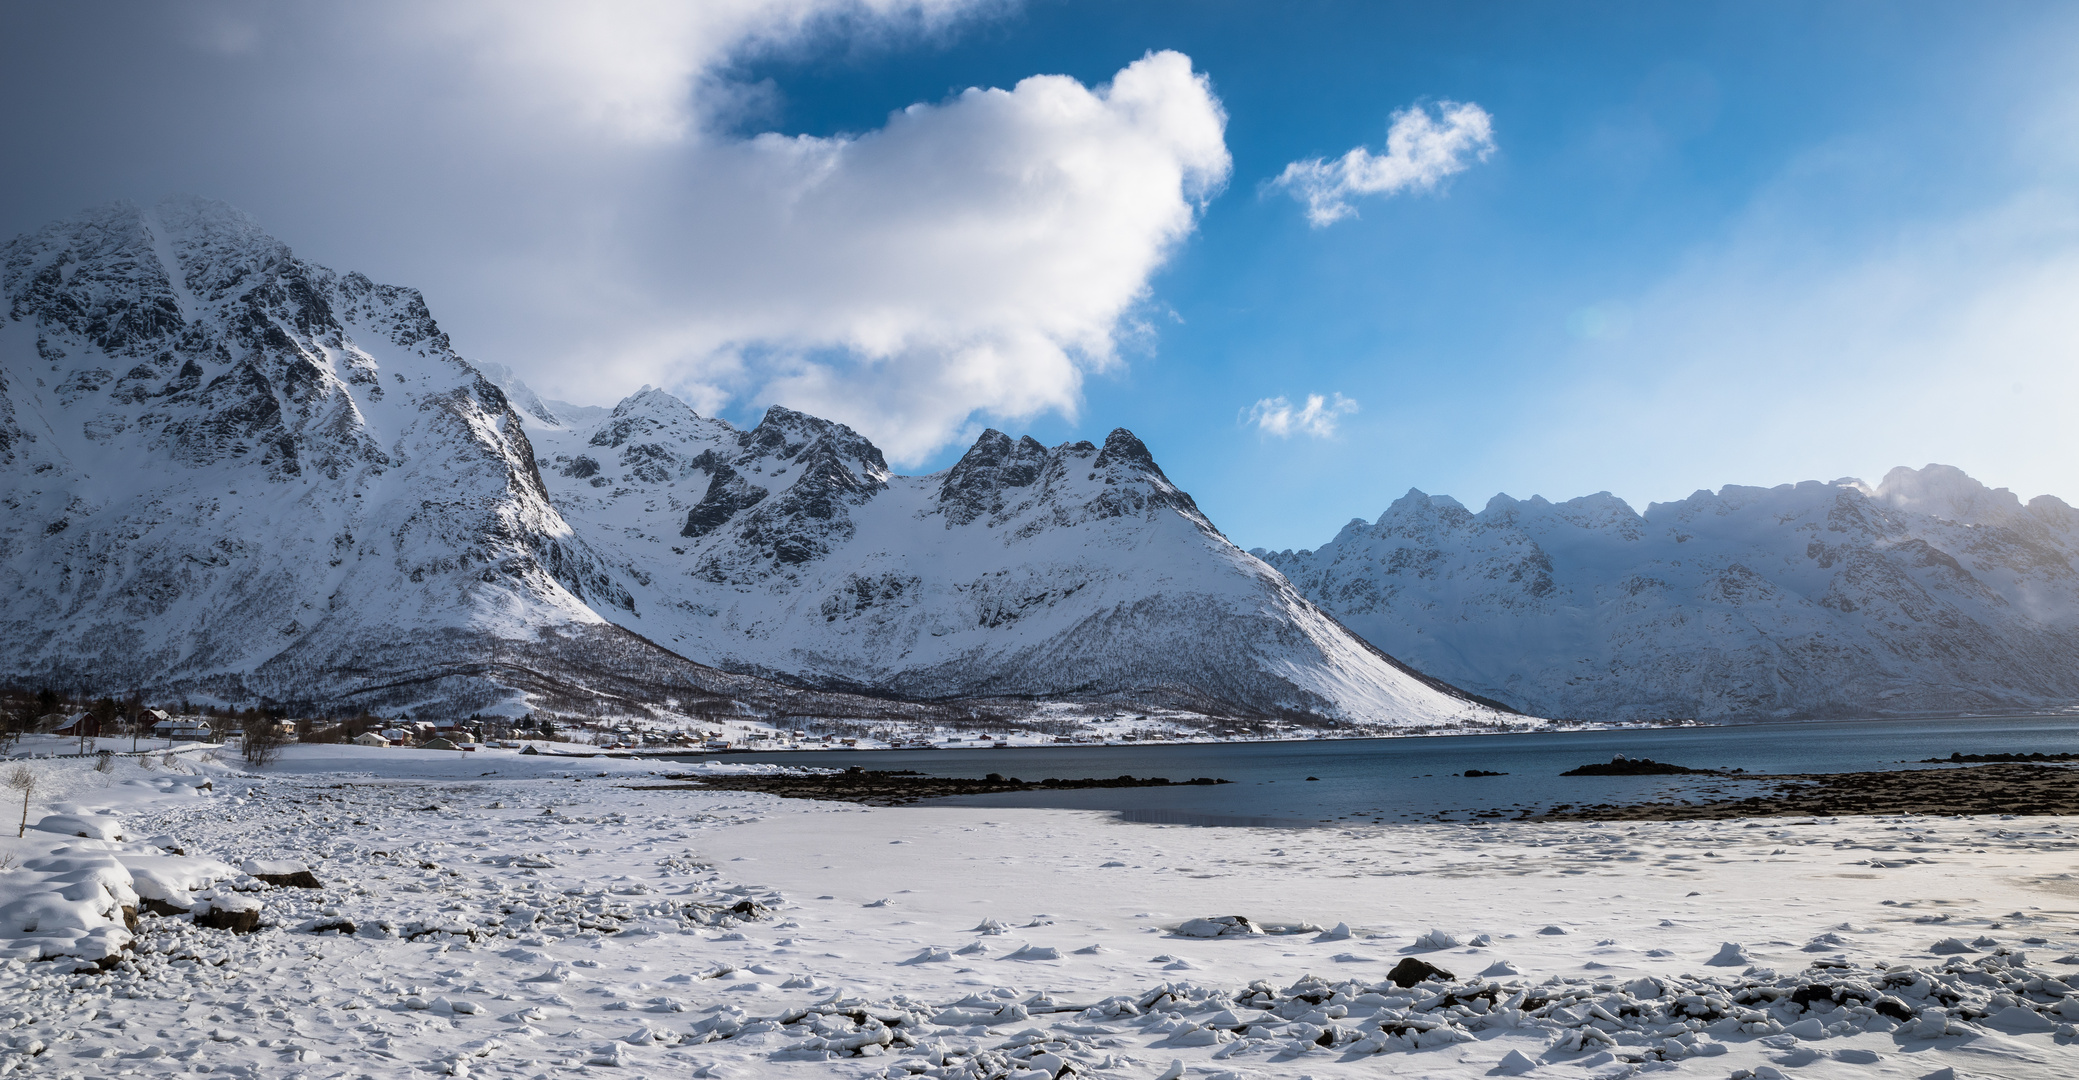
x,y
229,471
1928,593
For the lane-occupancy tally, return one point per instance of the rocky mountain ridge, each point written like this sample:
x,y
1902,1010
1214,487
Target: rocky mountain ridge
x,y
792,551
1928,593
230,472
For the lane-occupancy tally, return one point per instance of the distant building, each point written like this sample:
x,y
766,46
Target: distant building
x,y
181,729
370,738
77,725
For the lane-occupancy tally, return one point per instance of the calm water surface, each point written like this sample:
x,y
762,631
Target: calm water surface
x,y
1397,779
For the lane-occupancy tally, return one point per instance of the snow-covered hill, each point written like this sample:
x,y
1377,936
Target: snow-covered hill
x,y
1927,593
1072,572
230,471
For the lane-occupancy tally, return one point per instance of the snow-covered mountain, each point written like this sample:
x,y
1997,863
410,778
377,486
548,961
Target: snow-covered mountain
x,y
230,471
1928,593
1072,572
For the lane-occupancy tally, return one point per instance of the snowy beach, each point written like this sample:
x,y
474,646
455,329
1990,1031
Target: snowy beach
x,y
491,914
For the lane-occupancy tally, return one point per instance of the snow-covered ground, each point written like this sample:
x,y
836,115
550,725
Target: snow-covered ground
x,y
533,916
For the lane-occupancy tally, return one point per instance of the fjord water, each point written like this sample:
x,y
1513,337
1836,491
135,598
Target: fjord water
x,y
1394,779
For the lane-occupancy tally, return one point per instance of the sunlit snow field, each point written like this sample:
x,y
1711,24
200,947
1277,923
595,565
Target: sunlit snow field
x,y
553,920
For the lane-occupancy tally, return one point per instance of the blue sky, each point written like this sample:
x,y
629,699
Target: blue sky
x,y
1712,243
1633,141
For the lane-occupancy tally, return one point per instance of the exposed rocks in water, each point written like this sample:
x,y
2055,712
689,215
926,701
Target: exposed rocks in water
x,y
1955,758
1982,789
1629,766
894,788
1482,772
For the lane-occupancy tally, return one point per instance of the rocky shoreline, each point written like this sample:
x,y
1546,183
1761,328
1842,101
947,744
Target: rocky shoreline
x,y
1983,789
897,788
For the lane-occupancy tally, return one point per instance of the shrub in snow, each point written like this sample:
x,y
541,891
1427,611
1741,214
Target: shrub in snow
x,y
23,779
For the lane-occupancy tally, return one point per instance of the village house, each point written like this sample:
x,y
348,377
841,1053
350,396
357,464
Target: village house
x,y
182,728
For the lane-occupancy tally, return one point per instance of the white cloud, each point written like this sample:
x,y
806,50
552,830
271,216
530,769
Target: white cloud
x,y
1420,153
1318,417
975,256
634,70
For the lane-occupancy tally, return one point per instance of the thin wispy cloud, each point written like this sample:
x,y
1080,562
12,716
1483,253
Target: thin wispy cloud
x,y
1421,151
1318,417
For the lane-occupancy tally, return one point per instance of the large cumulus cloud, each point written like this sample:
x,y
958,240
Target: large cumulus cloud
x,y
574,188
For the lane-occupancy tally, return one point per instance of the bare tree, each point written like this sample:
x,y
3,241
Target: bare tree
x,y
24,780
263,740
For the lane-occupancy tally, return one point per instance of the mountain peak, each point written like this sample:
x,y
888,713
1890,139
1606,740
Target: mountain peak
x,y
975,485
1125,447
1945,491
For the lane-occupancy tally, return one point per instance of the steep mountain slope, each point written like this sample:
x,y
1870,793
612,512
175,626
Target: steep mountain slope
x,y
227,471
1076,572
1928,593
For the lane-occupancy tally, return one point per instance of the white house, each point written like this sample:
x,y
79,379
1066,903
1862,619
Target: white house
x,y
370,738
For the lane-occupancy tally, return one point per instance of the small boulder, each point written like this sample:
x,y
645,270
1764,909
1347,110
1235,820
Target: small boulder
x,y
234,913
152,905
2019,1019
283,873
91,826
1411,971
1730,954
1219,926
